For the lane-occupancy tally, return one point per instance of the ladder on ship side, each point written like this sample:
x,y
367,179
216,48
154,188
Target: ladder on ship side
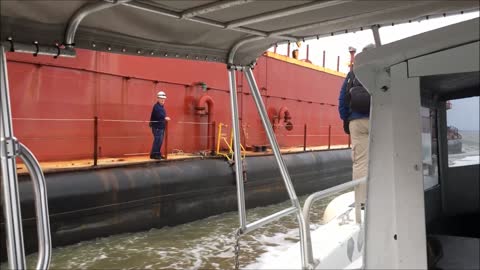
x,y
222,137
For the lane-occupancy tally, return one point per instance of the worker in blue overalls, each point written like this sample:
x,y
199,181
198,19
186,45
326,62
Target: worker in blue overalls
x,y
157,123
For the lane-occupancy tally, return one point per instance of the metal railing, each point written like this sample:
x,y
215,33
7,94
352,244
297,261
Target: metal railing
x,y
265,220
100,133
296,207
9,150
320,137
329,135
41,206
318,196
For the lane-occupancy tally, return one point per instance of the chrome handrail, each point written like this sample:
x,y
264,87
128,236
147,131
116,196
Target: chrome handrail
x,y
41,207
263,221
295,207
242,213
262,111
308,205
8,153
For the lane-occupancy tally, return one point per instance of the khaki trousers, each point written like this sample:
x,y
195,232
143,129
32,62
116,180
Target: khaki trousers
x,y
359,137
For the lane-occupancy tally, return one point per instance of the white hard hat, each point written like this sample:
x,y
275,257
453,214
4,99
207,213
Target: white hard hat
x,y
161,94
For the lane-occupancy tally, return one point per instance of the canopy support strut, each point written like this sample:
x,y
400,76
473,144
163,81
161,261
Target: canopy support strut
x,y
8,153
180,16
83,12
306,256
284,12
376,35
10,149
212,7
237,150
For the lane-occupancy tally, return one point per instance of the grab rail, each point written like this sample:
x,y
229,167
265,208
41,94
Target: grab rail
x,y
296,207
318,196
41,207
10,149
263,221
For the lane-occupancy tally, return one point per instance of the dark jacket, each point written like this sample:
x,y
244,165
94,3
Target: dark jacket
x,y
344,109
157,119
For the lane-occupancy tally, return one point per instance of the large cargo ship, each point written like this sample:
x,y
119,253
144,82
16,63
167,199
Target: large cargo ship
x,y
405,225
86,119
99,104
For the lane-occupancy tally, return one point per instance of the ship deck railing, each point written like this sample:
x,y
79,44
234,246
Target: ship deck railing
x,y
142,158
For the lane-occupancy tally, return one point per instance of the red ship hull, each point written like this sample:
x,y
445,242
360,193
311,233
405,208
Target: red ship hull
x,y
54,102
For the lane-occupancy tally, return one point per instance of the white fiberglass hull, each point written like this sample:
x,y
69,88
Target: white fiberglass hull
x,y
336,245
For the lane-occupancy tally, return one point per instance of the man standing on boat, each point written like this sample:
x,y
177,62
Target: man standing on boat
x,y
157,123
354,109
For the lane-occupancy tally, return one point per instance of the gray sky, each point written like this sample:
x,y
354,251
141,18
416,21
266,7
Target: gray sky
x,y
338,45
464,114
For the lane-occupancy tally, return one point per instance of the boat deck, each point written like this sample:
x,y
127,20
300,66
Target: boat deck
x,y
53,166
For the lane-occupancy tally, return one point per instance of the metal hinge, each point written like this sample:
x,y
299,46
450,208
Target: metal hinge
x,y
12,147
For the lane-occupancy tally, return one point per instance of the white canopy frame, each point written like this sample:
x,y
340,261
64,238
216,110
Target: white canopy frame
x,y
200,30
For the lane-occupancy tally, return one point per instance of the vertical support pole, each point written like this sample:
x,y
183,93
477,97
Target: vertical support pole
x,y
305,138
338,63
329,136
442,142
165,149
306,253
237,150
398,148
376,35
323,64
219,136
308,53
207,138
352,52
213,137
8,151
95,141
288,49
275,48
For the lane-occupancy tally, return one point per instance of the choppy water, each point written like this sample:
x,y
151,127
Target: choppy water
x,y
470,150
203,244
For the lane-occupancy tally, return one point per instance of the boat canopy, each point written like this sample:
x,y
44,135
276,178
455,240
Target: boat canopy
x,y
237,32
370,64
233,32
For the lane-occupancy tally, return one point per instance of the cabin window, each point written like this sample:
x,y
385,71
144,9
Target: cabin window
x,y
463,132
429,148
